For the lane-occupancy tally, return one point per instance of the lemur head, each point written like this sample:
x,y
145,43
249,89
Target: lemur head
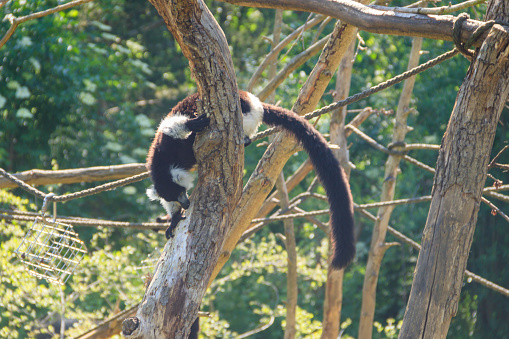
x,y
183,199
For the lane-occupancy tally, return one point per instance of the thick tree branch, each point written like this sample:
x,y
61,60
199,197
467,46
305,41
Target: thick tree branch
x,y
375,19
75,175
172,299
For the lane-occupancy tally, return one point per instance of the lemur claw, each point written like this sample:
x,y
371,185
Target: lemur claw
x,y
198,124
247,141
175,219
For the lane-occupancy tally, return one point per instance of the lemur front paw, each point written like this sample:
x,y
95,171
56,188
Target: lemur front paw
x,y
198,124
247,141
175,219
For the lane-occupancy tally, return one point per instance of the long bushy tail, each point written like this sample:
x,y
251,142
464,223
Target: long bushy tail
x,y
330,174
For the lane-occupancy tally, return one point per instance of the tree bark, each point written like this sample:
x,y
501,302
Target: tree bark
x,y
172,299
378,245
459,180
375,19
334,285
75,175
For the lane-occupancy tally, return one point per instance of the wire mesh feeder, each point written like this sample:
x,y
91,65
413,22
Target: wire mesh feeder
x,y
51,250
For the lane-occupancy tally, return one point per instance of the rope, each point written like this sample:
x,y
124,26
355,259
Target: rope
x,y
456,34
22,184
77,221
102,188
66,197
368,92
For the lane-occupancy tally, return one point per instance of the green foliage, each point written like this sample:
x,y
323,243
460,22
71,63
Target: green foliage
x,y
105,282
88,86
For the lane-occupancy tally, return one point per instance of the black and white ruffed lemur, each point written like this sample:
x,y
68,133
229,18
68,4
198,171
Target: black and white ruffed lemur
x,y
171,159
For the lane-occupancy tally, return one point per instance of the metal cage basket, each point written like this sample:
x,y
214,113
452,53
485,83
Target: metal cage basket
x,y
51,250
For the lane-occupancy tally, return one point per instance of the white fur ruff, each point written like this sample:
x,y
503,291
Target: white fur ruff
x,y
175,126
253,118
152,194
171,207
182,177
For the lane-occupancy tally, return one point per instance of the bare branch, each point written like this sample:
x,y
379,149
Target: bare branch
x,y
76,175
436,10
16,21
494,209
277,49
295,63
493,162
376,19
417,246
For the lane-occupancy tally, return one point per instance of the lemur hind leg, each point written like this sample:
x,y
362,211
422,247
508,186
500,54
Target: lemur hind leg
x,y
174,209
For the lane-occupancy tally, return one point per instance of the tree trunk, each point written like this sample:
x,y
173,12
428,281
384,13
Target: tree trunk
x,y
334,285
378,245
172,299
459,180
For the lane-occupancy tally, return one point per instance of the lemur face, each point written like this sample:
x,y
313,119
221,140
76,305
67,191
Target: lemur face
x,y
183,199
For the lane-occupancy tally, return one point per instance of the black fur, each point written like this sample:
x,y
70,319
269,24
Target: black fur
x,y
331,175
167,151
195,329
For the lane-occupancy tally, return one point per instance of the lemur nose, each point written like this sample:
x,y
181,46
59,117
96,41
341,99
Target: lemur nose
x,y
184,200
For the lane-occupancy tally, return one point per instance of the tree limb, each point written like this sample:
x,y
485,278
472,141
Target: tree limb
x,y
377,19
74,175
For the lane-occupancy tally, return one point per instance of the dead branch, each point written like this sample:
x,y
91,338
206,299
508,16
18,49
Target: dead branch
x,y
15,22
381,20
76,175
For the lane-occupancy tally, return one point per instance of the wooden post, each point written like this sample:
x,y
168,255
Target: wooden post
x,y
459,180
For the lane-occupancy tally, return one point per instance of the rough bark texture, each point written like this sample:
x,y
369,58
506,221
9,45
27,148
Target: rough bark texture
x,y
374,20
334,286
378,245
459,180
172,299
